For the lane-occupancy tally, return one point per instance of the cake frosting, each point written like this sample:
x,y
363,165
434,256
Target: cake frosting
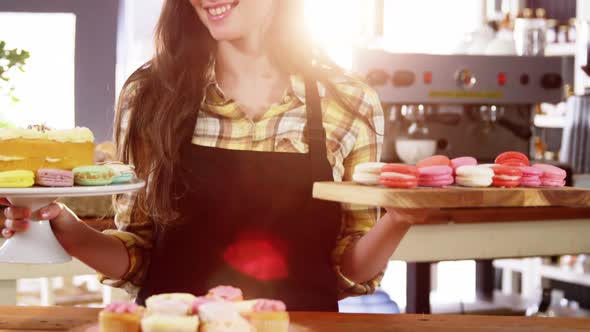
x,y
74,135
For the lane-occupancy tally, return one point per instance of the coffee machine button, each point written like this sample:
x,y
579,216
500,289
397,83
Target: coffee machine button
x,y
377,77
551,81
403,78
524,79
465,78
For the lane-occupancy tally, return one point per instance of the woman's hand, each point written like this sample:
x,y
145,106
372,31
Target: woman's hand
x,y
414,216
62,219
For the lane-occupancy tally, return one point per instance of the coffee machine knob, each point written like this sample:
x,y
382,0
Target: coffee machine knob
x,y
465,78
551,81
377,77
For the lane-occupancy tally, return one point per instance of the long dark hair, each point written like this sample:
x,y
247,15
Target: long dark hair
x,y
161,97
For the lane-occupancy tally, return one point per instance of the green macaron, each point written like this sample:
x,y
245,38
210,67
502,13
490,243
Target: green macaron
x,y
93,175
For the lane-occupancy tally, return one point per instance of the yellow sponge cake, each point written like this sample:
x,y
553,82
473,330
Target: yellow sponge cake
x,y
31,149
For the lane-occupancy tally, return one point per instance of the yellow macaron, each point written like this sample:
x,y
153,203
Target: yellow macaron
x,y
17,179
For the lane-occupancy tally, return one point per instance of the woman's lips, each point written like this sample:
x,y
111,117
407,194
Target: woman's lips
x,y
220,11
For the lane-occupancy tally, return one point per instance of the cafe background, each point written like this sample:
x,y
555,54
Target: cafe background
x,y
81,52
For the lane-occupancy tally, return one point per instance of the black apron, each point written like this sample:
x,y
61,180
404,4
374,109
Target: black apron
x,y
249,221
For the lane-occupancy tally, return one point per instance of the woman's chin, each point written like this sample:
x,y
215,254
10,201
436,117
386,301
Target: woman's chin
x,y
225,34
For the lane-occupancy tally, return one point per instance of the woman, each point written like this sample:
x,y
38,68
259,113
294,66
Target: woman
x,y
230,123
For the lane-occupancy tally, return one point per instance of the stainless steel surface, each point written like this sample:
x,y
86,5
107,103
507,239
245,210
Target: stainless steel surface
x,y
470,105
403,78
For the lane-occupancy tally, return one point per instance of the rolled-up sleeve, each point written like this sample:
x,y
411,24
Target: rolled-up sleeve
x,y
358,220
137,236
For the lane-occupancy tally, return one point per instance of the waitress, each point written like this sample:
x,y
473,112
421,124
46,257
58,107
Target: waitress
x,y
231,123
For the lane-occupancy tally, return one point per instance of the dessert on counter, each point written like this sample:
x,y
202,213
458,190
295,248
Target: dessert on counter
x,y
222,309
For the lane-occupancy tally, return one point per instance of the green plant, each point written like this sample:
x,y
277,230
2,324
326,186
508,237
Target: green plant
x,y
10,60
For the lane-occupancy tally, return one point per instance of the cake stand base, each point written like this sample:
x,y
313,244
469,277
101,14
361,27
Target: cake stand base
x,y
38,245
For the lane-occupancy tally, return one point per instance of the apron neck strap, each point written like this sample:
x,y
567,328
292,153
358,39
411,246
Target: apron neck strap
x,y
314,128
316,133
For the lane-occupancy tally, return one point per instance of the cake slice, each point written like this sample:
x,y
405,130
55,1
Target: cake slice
x,y
121,317
34,149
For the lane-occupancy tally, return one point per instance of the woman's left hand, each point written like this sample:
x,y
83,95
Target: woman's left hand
x,y
415,216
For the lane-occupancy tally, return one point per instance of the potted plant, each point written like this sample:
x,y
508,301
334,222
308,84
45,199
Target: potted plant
x,y
11,61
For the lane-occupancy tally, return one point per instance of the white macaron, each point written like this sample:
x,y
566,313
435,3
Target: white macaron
x,y
367,173
474,176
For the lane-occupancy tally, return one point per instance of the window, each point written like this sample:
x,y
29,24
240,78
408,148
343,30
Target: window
x,y
46,88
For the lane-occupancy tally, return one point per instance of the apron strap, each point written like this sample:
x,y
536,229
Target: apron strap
x,y
315,130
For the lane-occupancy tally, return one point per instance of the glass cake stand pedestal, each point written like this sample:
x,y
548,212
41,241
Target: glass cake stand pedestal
x,y
38,245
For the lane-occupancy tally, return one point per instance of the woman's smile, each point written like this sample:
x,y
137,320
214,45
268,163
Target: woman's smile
x,y
217,12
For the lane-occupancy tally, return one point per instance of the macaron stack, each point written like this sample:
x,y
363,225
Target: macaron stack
x,y
474,176
435,171
17,179
367,173
531,176
399,176
506,176
93,175
553,176
48,177
435,176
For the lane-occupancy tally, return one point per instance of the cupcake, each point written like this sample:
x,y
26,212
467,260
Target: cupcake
x,y
121,317
222,316
175,304
170,313
267,315
169,323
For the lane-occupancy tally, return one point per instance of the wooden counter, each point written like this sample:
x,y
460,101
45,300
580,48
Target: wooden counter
x,y
47,319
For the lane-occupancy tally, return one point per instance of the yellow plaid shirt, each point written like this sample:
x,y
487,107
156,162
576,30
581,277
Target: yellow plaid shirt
x,y
221,124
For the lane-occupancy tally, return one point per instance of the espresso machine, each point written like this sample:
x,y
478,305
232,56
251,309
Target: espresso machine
x,y
459,105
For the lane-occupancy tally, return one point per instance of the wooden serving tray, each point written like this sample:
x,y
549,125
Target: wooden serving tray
x,y
451,197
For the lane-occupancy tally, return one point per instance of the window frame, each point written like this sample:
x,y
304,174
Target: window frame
x,y
95,56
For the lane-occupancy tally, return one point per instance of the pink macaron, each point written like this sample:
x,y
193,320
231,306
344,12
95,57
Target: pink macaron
x,y
531,176
435,176
553,176
54,178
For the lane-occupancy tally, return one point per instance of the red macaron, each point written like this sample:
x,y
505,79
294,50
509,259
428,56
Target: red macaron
x,y
506,176
399,176
512,158
438,160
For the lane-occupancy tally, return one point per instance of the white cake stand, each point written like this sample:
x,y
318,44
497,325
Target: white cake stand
x,y
38,245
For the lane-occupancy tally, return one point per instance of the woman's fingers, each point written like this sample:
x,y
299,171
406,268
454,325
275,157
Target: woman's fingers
x,y
17,213
16,225
51,211
7,233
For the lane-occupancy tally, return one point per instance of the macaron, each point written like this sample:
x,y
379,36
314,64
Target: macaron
x,y
399,176
437,160
93,175
17,179
531,176
435,176
553,176
474,176
123,173
462,161
54,178
367,173
506,176
512,158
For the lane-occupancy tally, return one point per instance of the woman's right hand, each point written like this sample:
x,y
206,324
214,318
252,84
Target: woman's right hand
x,y
62,219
